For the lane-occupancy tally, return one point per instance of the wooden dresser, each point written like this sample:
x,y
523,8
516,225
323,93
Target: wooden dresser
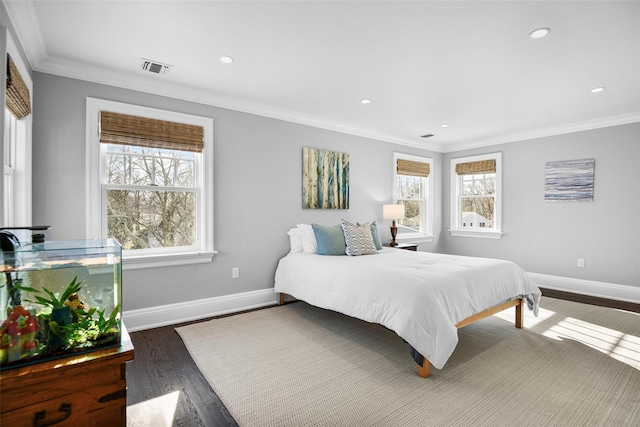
x,y
83,390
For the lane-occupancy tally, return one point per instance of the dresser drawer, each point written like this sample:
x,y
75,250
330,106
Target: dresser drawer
x,y
78,409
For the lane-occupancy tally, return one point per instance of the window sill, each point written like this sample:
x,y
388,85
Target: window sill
x,y
477,234
165,260
423,238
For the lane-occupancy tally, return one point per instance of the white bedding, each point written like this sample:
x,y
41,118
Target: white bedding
x,y
419,295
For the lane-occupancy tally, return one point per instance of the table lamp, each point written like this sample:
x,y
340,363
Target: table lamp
x,y
393,212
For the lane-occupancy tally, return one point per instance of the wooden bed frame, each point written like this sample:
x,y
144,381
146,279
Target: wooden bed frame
x,y
424,370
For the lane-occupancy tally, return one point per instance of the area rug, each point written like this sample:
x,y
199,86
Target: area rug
x,y
298,365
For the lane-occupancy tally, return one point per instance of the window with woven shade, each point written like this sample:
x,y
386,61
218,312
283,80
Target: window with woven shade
x,y
413,189
476,196
16,141
155,181
18,98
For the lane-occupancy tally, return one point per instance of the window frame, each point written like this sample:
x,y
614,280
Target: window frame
x,y
456,229
17,176
203,251
427,234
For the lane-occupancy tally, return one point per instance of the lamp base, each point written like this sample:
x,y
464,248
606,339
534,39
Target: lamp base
x,y
394,233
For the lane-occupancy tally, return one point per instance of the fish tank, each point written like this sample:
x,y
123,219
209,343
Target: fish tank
x,y
58,299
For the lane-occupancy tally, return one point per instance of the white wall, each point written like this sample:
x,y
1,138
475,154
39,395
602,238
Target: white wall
x,y
258,188
549,237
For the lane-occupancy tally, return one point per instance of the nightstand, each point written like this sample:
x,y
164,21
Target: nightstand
x,y
406,246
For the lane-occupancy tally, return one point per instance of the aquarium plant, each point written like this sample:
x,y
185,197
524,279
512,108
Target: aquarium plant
x,y
69,325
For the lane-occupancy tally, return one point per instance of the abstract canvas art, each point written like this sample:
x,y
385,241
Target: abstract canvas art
x,y
325,179
569,180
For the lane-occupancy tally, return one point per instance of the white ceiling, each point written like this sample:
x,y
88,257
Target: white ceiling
x,y
422,63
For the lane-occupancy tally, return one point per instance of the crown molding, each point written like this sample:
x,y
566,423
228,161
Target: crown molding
x,y
154,85
23,17
603,122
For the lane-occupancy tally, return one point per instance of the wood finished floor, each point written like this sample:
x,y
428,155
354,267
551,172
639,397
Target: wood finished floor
x,y
162,365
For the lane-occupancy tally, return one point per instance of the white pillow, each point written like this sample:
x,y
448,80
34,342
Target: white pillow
x,y
358,238
295,241
309,243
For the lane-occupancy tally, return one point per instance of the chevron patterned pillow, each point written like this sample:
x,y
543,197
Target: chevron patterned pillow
x,y
358,239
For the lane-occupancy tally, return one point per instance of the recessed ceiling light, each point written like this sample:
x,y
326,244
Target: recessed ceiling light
x,y
444,125
365,101
539,33
597,89
226,59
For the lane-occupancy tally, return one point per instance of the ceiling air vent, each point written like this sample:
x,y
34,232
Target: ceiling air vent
x,y
429,135
155,66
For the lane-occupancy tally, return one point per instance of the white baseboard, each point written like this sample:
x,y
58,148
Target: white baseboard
x,y
154,317
588,287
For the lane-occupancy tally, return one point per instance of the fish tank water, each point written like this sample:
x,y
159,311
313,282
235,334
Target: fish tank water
x,y
58,299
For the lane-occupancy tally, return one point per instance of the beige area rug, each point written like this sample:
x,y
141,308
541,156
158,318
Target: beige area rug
x,y
297,365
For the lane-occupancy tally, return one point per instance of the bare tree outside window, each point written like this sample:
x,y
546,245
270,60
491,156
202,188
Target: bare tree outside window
x,y
410,192
151,197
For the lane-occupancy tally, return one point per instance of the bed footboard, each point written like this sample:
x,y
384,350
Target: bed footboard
x,y
425,370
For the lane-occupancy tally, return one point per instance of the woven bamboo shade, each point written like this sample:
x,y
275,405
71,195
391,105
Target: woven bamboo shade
x,y
116,128
18,100
409,167
482,166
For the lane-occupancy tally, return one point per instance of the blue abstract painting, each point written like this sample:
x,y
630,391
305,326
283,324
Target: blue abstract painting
x,y
325,179
569,180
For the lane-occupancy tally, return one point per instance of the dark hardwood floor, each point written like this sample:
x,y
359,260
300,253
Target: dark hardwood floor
x,y
587,299
162,365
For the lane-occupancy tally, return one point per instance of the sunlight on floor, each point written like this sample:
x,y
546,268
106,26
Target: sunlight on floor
x,y
618,345
156,412
529,319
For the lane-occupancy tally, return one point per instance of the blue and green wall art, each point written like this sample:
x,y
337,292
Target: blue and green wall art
x,y
325,179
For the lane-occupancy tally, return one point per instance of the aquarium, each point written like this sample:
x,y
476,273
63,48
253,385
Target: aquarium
x,y
59,298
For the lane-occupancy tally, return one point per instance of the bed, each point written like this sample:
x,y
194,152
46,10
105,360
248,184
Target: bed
x,y
423,297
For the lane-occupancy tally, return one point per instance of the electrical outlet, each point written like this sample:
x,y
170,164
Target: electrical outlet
x,y
235,272
580,262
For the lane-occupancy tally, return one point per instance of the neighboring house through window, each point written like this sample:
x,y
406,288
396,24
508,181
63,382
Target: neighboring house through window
x,y
150,183
476,192
414,190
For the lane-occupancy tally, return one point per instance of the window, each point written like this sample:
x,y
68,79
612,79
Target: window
x,y
413,188
476,196
150,183
16,179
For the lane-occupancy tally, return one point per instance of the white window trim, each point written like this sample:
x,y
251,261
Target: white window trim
x,y
428,235
456,230
95,172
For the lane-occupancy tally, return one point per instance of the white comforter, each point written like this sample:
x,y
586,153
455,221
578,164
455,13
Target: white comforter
x,y
419,295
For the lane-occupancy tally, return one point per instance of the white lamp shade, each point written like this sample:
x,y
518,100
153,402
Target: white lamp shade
x,y
393,211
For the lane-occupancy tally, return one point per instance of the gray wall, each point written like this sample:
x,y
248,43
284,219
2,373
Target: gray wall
x,y
548,238
258,187
258,195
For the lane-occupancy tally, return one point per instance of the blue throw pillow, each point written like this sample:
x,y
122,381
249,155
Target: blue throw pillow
x,y
330,239
376,235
